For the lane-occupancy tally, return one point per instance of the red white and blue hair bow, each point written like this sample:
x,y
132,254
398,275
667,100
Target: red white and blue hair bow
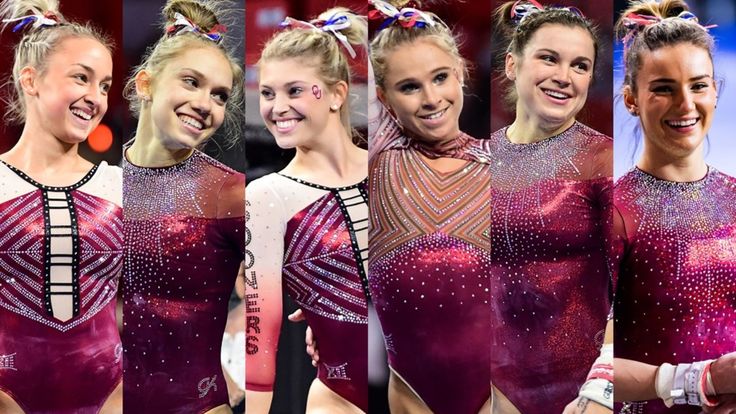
x,y
34,20
407,17
335,24
183,25
634,22
525,8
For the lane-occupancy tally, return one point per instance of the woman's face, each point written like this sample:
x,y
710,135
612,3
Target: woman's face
x,y
295,102
189,97
423,88
675,98
70,95
553,74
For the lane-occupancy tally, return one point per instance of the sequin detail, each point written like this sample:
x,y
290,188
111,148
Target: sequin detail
x,y
61,254
675,251
550,289
185,239
429,266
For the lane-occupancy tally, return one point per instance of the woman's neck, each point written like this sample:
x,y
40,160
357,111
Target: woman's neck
x,y
688,168
528,129
149,151
330,161
37,151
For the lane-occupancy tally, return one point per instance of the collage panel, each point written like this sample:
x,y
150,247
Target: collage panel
x,y
307,207
61,219
551,192
430,202
184,208
673,247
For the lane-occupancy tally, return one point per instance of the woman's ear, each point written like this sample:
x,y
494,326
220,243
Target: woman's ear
x,y
339,95
29,80
143,85
510,67
630,101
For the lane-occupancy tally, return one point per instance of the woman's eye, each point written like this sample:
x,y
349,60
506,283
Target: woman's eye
x,y
266,94
191,82
220,97
408,87
700,86
548,58
581,67
81,76
441,77
105,88
295,91
662,89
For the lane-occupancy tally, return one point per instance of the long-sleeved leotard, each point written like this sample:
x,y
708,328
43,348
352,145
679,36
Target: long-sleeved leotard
x,y
313,240
185,239
61,252
430,264
550,280
675,251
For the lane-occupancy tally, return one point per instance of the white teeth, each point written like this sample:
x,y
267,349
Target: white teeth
x,y
80,113
286,124
434,115
558,95
190,121
682,123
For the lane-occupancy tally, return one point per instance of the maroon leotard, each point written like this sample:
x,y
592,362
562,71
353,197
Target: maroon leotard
x,y
551,204
312,238
185,239
61,254
430,264
675,251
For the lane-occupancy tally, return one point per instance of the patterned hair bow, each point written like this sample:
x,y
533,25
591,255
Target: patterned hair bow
x,y
183,25
634,22
334,25
407,16
525,8
39,20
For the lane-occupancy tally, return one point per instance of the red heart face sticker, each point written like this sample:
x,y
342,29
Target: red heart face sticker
x,y
317,92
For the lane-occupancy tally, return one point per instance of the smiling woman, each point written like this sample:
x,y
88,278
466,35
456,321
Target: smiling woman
x,y
184,217
60,217
551,196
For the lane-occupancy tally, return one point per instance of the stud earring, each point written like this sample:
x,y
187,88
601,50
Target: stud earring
x,y
334,108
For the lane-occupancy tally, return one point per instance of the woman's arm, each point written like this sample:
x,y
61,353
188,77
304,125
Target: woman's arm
x,y
263,262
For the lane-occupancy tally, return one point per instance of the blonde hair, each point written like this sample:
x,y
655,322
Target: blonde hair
x,y
202,14
36,45
395,35
321,50
665,32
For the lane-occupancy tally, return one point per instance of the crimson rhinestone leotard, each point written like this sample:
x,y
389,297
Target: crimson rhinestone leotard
x,y
675,253
313,238
185,239
61,252
550,280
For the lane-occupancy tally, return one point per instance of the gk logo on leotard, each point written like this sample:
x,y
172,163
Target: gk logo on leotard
x,y
337,372
7,362
206,384
118,352
389,341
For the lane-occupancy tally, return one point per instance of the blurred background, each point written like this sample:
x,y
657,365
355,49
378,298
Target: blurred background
x,y
597,112
719,149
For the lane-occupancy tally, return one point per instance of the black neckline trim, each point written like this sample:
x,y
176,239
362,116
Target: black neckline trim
x,y
36,184
324,187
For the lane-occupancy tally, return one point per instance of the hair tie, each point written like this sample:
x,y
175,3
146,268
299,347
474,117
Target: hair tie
x,y
39,20
183,25
634,23
407,17
335,24
525,8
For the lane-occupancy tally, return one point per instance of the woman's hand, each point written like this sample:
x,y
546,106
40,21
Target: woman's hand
x,y
723,373
309,340
727,405
582,405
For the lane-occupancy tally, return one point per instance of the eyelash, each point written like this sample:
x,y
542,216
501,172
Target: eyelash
x,y
667,89
412,87
294,91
